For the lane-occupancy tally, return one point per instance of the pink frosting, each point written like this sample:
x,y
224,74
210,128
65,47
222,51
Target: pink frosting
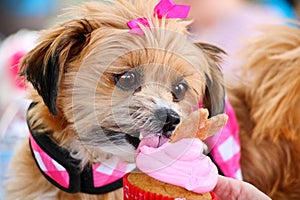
x,y
181,163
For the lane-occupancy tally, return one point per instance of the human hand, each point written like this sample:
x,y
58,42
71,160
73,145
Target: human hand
x,y
228,188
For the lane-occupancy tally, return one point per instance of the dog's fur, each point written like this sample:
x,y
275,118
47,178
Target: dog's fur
x,y
72,72
267,105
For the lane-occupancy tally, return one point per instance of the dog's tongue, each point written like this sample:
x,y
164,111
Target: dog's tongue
x,y
154,140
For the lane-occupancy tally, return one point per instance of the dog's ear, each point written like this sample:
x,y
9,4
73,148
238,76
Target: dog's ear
x,y
44,65
214,99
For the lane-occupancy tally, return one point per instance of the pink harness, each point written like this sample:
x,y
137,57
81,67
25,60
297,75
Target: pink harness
x,y
63,171
225,146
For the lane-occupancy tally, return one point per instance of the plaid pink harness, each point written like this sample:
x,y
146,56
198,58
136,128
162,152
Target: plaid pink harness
x,y
225,148
58,167
63,171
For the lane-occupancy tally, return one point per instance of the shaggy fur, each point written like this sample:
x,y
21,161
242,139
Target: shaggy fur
x,y
79,104
267,104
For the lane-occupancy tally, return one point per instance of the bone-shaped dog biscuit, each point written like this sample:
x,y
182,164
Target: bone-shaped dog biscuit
x,y
198,125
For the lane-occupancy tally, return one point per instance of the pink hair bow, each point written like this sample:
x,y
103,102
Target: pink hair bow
x,y
165,8
134,25
169,9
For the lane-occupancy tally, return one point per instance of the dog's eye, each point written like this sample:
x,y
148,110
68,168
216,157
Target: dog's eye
x,y
179,91
128,81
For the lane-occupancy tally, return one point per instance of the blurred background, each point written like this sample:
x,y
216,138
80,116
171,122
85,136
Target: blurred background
x,y
225,23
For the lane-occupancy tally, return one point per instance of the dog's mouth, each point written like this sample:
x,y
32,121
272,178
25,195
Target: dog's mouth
x,y
134,141
139,138
154,140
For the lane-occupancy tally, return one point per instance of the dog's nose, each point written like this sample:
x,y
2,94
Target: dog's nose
x,y
168,118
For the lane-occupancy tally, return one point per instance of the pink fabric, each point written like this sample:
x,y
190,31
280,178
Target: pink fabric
x,y
225,151
169,9
50,166
103,173
225,146
110,171
14,69
134,25
165,8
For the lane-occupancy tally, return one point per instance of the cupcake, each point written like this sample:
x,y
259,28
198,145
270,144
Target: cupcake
x,y
157,190
176,168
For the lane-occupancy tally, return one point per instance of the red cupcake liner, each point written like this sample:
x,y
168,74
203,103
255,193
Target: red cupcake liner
x,y
213,196
132,192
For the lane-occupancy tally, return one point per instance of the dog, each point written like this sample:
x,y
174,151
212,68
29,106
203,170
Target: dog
x,y
266,100
95,85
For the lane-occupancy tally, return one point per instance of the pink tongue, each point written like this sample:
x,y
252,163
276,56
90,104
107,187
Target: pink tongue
x,y
152,140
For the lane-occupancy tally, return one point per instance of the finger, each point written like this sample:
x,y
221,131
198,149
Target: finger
x,y
228,188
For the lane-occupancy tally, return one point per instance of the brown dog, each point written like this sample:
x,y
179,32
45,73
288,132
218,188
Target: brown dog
x,y
96,86
267,105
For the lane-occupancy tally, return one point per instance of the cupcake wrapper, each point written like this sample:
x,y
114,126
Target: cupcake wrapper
x,y
213,196
132,192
